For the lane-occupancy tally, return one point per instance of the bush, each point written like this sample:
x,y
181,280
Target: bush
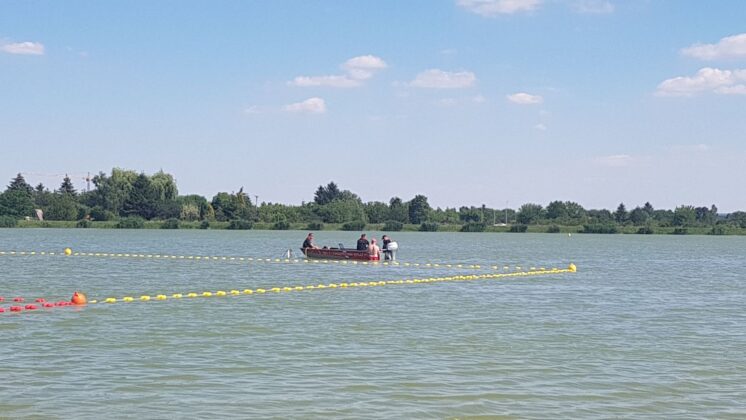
x,y
393,226
315,226
240,224
83,223
553,229
473,227
518,228
8,222
599,228
171,223
204,225
429,227
281,225
718,230
645,230
133,222
680,231
356,225
98,213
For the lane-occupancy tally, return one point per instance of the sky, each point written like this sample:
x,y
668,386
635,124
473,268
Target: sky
x,y
468,102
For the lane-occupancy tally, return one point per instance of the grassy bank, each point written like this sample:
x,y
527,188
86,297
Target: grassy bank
x,y
157,224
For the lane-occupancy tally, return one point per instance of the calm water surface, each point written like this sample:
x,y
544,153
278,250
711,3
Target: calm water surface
x,y
649,327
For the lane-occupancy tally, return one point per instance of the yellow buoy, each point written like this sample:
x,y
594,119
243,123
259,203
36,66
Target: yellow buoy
x,y
68,251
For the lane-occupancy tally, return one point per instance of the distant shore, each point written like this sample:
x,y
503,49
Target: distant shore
x,y
215,225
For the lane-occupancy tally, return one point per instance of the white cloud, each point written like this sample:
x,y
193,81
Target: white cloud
x,y
540,127
25,48
732,90
496,7
364,66
479,99
439,79
523,98
313,105
330,81
728,47
707,80
356,70
593,6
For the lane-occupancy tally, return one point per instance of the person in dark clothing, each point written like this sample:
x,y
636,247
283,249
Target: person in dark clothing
x,y
385,248
362,243
308,243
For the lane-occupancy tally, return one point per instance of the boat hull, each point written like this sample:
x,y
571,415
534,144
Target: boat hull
x,y
339,254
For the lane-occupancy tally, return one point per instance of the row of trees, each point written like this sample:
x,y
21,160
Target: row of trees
x,y
126,193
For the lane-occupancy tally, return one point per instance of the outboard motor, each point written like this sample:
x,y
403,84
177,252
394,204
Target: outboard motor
x,y
390,253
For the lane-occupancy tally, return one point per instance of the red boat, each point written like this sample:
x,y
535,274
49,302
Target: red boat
x,y
339,254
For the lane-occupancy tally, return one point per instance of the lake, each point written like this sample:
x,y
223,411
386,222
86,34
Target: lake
x,y
649,326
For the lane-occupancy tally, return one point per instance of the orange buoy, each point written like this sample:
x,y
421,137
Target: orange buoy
x,y
79,299
18,299
16,309
31,307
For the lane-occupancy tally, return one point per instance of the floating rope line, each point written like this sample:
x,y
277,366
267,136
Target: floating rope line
x,y
299,288
68,253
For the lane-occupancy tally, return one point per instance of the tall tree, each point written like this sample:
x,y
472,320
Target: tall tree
x,y
325,195
19,184
419,210
530,213
67,188
620,215
398,210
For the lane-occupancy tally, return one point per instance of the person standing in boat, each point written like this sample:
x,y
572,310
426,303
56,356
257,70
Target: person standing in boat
x,y
373,249
308,243
362,243
386,253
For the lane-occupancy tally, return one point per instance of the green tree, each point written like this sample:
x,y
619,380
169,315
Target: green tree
x,y
19,184
620,215
684,216
62,207
737,218
576,214
16,203
325,195
67,187
556,210
530,213
398,210
18,199
163,186
376,211
419,209
141,200
638,216
112,191
648,208
469,214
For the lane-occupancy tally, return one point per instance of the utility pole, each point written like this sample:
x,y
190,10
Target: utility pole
x,y
506,212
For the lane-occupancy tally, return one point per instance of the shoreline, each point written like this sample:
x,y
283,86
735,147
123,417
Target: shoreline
x,y
556,229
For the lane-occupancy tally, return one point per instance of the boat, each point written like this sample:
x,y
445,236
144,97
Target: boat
x,y
340,253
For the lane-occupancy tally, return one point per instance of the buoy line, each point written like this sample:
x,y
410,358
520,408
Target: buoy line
x,y
80,298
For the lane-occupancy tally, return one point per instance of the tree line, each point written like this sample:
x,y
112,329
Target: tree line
x,y
126,195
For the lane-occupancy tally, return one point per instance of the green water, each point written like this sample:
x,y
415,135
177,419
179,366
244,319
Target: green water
x,y
650,326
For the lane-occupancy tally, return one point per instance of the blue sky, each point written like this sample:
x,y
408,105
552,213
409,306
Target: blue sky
x,y
468,102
